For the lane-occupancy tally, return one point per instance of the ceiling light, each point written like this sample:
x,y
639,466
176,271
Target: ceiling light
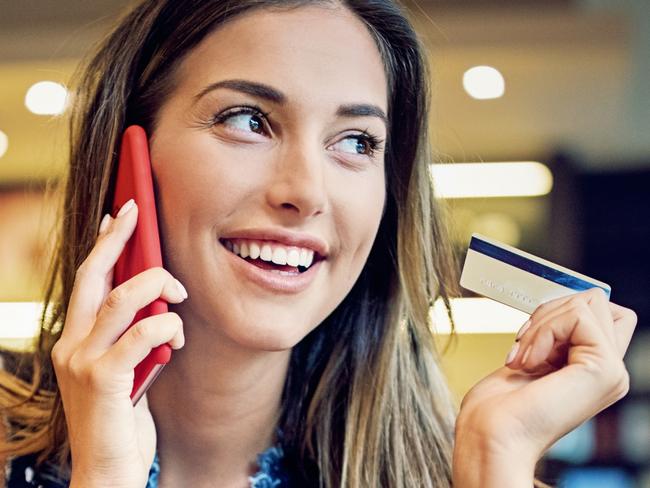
x,y
46,98
473,180
4,143
20,320
499,226
477,316
484,82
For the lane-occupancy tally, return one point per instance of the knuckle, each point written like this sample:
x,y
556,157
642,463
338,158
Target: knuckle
x,y
617,380
580,307
578,298
539,311
159,273
76,367
95,374
632,316
621,383
78,370
175,319
116,298
140,331
595,293
58,356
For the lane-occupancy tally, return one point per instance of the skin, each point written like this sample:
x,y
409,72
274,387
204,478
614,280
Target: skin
x,y
216,404
565,367
302,173
298,168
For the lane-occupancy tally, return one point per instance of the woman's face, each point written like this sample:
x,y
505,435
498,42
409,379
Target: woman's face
x,y
272,142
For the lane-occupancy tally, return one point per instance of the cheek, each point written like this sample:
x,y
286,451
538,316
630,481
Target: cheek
x,y
359,219
204,181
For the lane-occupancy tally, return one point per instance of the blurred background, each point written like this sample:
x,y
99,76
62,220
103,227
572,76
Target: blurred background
x,y
561,85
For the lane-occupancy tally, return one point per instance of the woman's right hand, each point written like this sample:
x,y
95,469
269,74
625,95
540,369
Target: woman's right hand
x,y
112,442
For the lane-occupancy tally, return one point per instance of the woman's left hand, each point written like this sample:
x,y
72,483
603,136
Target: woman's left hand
x,y
566,366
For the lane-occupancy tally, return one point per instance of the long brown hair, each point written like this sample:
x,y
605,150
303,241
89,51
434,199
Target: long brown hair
x,y
365,402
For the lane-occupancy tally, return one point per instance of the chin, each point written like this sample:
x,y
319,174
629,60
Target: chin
x,y
271,341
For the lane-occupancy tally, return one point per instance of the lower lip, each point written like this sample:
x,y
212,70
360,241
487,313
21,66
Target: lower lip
x,y
270,280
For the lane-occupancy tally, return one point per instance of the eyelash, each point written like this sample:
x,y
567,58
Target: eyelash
x,y
221,117
374,143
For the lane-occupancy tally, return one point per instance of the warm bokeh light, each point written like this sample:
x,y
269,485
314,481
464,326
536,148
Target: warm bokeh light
x,y
484,82
20,320
472,180
4,143
499,226
46,98
477,316
20,324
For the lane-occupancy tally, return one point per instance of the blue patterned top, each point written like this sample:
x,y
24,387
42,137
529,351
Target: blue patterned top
x,y
22,472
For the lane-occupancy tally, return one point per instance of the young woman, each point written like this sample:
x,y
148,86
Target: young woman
x,y
289,150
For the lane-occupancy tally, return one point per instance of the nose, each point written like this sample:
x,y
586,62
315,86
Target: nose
x,y
298,183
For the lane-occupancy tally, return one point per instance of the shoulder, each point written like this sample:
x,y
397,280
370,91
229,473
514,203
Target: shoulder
x,y
23,472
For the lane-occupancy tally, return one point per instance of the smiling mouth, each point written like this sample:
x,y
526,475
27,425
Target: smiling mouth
x,y
273,257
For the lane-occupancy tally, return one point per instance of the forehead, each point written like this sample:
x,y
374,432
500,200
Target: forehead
x,y
313,54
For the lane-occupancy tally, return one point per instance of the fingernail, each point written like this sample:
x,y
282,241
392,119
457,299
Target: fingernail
x,y
104,223
182,289
512,353
126,207
523,330
180,342
526,354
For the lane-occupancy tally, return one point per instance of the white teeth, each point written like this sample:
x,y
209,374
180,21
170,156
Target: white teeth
x,y
254,251
282,255
293,257
279,255
310,259
266,254
243,252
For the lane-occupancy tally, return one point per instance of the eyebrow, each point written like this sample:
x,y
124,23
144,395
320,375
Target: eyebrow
x,y
266,92
252,88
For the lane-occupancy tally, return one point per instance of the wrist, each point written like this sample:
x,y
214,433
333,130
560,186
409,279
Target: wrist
x,y
84,479
482,461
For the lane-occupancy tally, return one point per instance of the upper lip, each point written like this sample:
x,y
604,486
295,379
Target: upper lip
x,y
281,236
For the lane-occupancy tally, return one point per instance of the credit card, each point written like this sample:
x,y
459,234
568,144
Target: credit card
x,y
516,278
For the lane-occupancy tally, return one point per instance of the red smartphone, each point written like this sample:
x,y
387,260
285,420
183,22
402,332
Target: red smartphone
x,y
142,251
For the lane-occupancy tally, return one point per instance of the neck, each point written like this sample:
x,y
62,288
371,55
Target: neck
x,y
215,406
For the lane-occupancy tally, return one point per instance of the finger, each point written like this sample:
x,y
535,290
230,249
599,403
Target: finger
x,y
594,296
143,336
625,321
123,303
599,303
545,354
594,299
556,360
549,306
89,290
105,224
528,336
104,227
543,310
576,325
